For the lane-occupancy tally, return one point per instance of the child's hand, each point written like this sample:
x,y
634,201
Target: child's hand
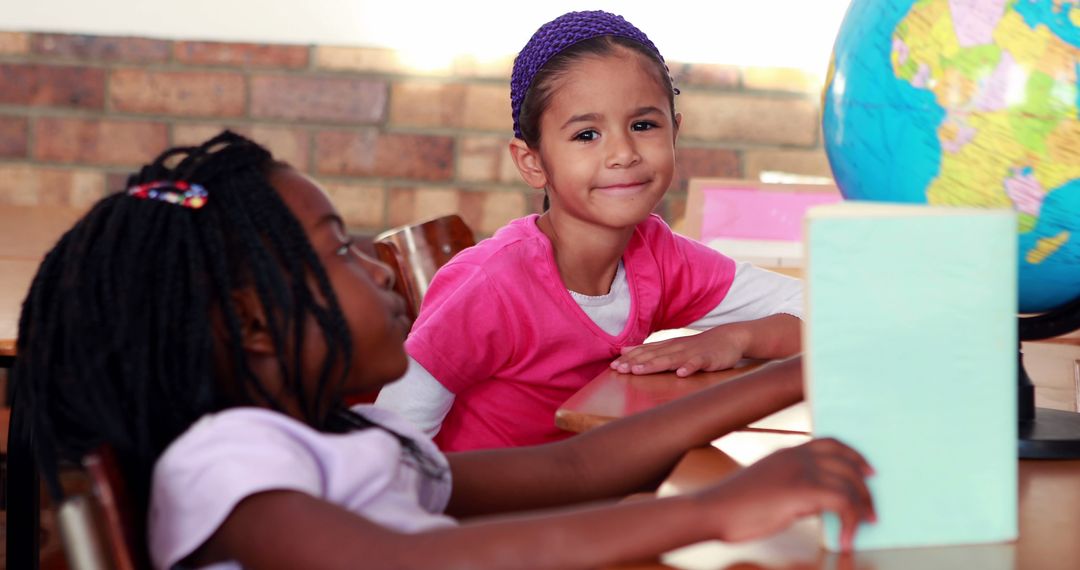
x,y
770,495
711,350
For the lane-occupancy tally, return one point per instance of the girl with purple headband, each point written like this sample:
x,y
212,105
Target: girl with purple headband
x,y
211,340
512,327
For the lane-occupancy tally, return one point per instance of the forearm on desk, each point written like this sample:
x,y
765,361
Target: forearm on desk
x,y
623,456
652,441
775,336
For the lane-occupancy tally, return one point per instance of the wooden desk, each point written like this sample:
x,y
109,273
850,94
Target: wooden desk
x,y
27,232
1049,522
1049,492
15,278
612,395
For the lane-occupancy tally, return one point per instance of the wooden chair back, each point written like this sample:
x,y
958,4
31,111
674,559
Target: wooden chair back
x,y
97,528
416,251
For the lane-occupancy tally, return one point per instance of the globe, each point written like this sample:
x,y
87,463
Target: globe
x,y
966,102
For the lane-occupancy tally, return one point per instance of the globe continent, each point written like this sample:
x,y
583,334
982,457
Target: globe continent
x,y
966,102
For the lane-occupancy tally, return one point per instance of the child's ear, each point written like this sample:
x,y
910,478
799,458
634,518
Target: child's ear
x,y
678,123
528,164
254,332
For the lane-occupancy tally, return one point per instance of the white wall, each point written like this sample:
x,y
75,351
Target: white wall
x,y
788,33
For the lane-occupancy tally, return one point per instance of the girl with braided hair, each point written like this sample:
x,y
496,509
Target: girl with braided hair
x,y
511,328
208,323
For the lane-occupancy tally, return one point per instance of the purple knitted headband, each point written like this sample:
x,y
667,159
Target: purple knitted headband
x,y
557,35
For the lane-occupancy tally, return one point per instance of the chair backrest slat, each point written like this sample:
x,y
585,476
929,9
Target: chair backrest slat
x,y
97,525
107,484
416,251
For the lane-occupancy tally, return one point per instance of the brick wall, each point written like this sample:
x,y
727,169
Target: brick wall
x,y
392,144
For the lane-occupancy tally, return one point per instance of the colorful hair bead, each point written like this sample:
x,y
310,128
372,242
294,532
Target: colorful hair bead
x,y
177,192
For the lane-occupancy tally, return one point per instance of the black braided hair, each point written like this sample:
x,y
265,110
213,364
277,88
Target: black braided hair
x,y
117,341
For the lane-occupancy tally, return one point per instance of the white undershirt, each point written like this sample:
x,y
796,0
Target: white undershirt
x,y
755,293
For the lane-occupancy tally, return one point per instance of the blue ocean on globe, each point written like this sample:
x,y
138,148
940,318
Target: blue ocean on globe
x,y
967,103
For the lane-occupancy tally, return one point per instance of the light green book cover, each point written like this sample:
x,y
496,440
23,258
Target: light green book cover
x,y
911,348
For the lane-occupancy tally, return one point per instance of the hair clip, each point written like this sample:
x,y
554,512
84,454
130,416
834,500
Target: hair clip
x,y
181,193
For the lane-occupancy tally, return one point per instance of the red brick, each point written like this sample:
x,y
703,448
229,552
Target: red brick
x,y
705,74
185,93
426,103
52,86
106,48
337,99
116,181
408,205
391,155
782,79
488,210
291,145
484,210
93,141
810,162
361,205
490,67
487,107
14,43
456,105
485,159
400,205
415,156
745,117
366,60
13,136
470,206
30,185
703,162
241,54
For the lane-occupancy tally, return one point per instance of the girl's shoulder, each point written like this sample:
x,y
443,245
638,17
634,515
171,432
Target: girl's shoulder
x,y
518,240
656,241
235,453
247,418
653,231
260,432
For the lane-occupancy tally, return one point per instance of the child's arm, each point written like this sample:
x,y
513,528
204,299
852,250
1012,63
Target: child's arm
x,y
758,318
623,456
418,397
718,348
764,498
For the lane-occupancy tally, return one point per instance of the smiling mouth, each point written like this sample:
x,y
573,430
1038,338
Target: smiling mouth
x,y
623,189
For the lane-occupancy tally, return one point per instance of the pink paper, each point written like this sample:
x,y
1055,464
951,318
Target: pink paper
x,y
743,213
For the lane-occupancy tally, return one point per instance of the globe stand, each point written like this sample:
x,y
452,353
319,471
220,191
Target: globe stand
x,y
1046,433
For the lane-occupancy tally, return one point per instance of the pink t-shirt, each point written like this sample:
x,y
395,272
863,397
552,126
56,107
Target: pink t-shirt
x,y
236,453
499,329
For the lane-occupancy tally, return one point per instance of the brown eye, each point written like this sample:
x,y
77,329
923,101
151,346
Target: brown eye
x,y
586,136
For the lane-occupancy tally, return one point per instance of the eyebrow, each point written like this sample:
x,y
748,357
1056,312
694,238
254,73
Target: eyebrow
x,y
586,117
647,110
581,119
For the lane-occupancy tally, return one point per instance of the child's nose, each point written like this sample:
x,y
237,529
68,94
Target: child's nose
x,y
623,152
381,273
